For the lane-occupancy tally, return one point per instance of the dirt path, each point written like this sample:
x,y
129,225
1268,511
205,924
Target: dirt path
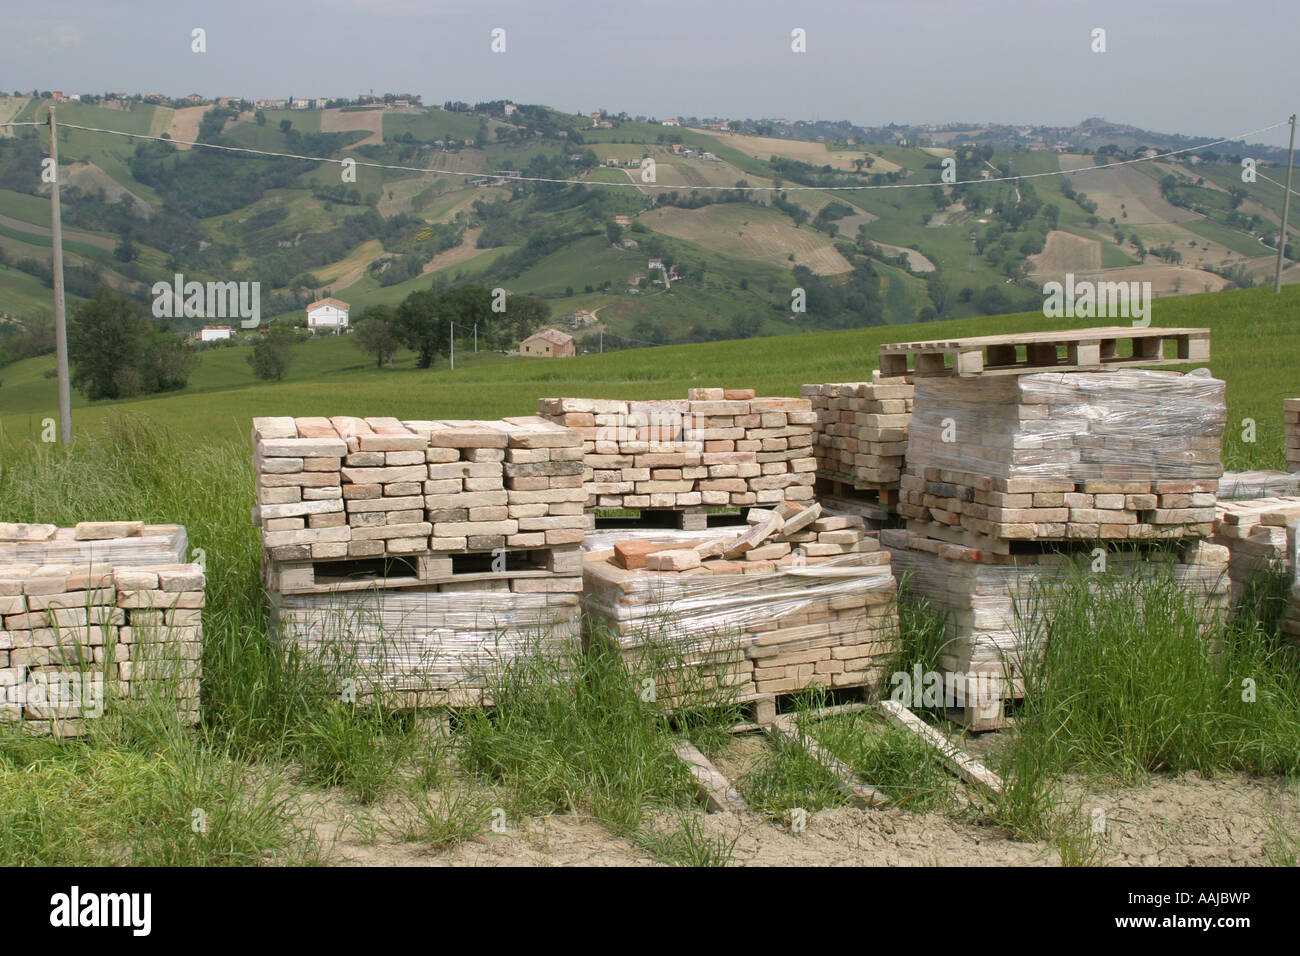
x,y
449,257
1170,821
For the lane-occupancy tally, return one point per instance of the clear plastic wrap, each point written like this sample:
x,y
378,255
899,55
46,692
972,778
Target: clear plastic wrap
x,y
1121,425
415,640
1244,485
158,544
985,603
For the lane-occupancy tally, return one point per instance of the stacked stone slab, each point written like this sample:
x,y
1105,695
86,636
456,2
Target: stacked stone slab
x,y
987,597
861,430
354,511
79,639
718,448
756,625
1255,533
1291,417
1058,456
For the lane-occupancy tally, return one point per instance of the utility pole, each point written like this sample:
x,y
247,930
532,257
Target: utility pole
x,y
453,345
476,338
1286,208
60,306
602,341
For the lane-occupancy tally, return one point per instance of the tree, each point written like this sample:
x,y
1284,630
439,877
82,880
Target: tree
x,y
116,352
375,334
285,126
105,339
272,354
421,323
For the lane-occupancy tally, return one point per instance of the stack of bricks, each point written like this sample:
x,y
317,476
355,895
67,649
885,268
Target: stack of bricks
x,y
1058,456
718,448
1255,533
986,598
79,636
861,431
435,508
1291,417
711,624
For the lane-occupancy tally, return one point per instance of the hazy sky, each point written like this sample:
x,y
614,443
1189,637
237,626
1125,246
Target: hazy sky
x,y
1184,66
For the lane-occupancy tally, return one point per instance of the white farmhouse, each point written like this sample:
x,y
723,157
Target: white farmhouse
x,y
215,333
327,315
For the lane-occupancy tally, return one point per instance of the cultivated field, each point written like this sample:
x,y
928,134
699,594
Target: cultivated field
x,y
764,147
748,233
369,121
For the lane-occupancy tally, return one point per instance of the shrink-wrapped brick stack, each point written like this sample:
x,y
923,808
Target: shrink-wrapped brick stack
x,y
796,599
1255,532
96,616
1013,470
861,431
373,529
719,448
1058,455
1291,417
987,600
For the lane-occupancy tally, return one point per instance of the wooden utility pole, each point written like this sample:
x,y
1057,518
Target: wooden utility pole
x,y
452,326
60,307
1286,208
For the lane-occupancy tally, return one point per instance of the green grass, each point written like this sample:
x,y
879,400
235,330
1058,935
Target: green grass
x,y
224,396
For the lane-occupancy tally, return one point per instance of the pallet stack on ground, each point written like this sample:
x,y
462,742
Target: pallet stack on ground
x,y
81,635
987,599
1128,454
1291,418
1248,485
374,530
718,448
861,435
716,617
1256,534
1011,460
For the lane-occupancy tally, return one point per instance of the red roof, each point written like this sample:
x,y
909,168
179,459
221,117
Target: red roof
x,y
338,304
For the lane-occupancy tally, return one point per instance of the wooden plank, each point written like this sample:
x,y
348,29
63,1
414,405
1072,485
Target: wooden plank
x,y
957,760
847,782
1086,350
716,789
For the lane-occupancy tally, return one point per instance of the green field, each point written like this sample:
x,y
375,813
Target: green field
x,y
330,376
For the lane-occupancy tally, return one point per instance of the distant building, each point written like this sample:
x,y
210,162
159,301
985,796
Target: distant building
x,y
327,314
510,109
215,333
670,122
548,343
622,221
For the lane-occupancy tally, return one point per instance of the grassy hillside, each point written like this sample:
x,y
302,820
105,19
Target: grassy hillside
x,y
1256,348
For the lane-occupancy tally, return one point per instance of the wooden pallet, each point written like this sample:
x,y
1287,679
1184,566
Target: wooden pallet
x,y
843,486
1074,350
505,564
681,519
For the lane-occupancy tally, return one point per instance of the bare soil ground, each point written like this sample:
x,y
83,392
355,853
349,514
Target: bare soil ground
x,y
1169,821
1123,190
339,121
765,147
1066,252
183,125
766,239
91,178
457,254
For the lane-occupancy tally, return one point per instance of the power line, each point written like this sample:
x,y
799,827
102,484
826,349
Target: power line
x,y
635,185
